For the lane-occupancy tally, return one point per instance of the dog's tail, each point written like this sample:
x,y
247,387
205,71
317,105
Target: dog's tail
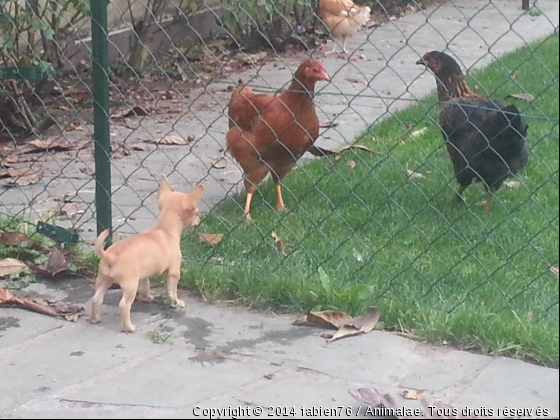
x,y
100,243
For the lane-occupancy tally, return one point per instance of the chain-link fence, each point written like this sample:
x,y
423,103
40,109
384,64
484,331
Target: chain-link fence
x,y
362,226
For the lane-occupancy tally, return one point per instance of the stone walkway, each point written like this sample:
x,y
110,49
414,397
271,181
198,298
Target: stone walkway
x,y
226,357
361,92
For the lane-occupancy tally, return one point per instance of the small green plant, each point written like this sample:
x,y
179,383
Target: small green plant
x,y
21,280
534,13
160,337
267,18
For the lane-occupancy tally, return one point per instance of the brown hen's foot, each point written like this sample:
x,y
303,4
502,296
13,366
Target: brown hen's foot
x,y
247,217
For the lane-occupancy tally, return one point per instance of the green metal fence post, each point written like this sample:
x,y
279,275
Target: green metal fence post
x,y
100,58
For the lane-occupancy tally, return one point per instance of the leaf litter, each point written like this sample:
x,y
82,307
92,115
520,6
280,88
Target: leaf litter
x,y
279,243
51,308
414,175
169,140
219,163
211,238
11,266
20,176
16,239
430,407
57,264
523,96
341,321
320,151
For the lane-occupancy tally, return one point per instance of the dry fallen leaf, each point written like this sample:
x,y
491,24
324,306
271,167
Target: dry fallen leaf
x,y
412,395
356,146
512,184
139,147
11,266
279,243
327,319
362,324
136,111
20,176
57,264
219,163
418,133
319,151
14,159
16,238
430,408
327,124
70,209
170,140
211,238
414,175
352,164
524,96
85,170
75,127
55,309
57,145
554,270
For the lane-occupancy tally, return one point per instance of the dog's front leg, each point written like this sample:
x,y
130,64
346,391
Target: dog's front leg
x,y
173,276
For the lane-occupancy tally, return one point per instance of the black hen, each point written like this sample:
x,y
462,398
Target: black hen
x,y
485,138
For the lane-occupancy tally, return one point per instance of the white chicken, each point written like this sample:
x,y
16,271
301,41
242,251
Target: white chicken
x,y
343,18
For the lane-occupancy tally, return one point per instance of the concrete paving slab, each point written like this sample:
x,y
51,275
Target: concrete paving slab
x,y
16,326
377,357
182,379
57,359
453,368
295,393
514,384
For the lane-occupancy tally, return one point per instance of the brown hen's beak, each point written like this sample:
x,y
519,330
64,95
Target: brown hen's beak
x,y
325,76
420,62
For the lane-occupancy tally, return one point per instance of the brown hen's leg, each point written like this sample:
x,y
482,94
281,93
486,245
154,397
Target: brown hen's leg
x,y
489,198
246,213
279,201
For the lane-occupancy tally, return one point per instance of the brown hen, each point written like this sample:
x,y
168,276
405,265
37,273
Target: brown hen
x,y
269,134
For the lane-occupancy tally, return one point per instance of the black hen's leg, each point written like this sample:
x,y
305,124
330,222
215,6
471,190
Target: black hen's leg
x,y
459,195
489,198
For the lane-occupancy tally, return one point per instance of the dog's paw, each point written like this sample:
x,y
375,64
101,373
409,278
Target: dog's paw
x,y
144,298
94,320
129,328
180,303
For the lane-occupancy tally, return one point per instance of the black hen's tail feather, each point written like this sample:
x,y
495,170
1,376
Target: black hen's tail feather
x,y
507,132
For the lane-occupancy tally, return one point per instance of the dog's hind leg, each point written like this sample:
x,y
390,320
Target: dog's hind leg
x,y
102,284
144,294
129,289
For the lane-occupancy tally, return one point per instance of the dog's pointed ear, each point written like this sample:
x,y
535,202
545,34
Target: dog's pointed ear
x,y
196,194
164,186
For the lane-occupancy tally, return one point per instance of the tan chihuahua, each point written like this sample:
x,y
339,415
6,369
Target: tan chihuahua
x,y
132,261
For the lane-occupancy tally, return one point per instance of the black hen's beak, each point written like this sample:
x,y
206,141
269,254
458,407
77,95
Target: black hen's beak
x,y
421,62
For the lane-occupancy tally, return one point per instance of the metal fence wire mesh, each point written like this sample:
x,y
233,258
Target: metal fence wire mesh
x,y
364,224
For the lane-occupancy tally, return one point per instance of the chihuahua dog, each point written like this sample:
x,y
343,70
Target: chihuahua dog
x,y
132,261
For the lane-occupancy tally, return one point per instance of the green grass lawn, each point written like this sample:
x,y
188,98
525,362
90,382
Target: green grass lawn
x,y
368,236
